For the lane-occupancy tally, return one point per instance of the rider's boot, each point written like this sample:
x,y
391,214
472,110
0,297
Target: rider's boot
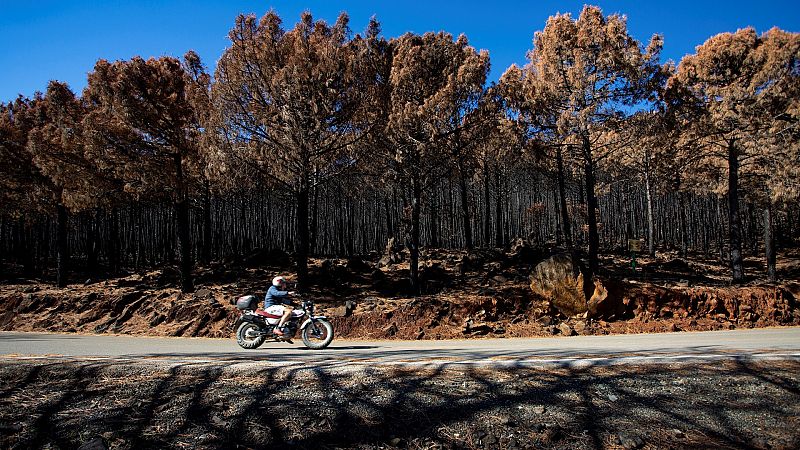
x,y
281,334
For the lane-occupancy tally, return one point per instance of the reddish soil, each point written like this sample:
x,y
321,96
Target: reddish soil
x,y
481,294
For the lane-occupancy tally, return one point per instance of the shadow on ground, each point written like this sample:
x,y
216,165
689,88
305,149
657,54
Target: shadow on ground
x,y
738,404
337,356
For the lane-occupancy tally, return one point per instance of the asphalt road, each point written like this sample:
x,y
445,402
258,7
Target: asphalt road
x,y
779,343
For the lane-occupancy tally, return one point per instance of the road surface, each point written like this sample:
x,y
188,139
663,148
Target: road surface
x,y
782,343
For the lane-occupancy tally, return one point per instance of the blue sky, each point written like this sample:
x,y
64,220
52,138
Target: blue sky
x,y
42,40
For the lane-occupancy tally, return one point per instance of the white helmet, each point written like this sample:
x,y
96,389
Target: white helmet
x,y
278,280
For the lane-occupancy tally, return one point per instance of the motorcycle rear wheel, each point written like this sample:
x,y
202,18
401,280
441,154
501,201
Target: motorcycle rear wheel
x,y
249,336
318,334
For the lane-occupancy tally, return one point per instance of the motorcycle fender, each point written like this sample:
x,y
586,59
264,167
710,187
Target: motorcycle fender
x,y
308,321
243,318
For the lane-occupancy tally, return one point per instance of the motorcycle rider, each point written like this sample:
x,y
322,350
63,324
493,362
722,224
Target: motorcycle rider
x,y
278,302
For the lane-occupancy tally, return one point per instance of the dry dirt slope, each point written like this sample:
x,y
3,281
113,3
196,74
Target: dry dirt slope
x,y
466,295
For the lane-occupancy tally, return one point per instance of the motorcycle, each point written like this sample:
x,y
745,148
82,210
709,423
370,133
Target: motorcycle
x,y
255,326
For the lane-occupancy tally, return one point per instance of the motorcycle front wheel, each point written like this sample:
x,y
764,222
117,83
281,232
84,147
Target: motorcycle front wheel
x,y
318,334
249,336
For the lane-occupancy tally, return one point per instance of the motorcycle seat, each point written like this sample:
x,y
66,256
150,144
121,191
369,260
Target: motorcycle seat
x,y
263,313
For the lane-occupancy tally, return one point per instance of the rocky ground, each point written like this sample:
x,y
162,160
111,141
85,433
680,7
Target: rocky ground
x,y
104,404
482,293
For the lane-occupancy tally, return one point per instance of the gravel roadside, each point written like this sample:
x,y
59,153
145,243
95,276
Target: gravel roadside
x,y
158,404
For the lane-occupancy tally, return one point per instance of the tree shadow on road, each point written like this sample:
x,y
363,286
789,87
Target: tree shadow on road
x,y
738,404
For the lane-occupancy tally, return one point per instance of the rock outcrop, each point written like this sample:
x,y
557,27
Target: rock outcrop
x,y
559,280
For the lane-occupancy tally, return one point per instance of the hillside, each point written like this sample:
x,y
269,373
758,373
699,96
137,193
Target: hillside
x,y
483,293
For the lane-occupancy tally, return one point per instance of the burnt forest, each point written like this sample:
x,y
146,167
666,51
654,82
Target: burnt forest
x,y
595,189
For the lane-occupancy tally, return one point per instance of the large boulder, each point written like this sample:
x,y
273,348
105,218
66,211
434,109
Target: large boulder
x,y
560,280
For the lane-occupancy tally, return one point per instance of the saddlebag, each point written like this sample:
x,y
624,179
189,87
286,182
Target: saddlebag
x,y
247,302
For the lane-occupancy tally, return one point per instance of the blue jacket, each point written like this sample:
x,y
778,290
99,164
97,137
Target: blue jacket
x,y
276,297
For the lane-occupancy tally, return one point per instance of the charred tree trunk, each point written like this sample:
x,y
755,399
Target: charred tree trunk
x,y
591,214
720,232
414,250
752,226
466,224
734,219
351,231
626,216
769,243
62,249
181,207
562,194
498,208
184,244
39,249
23,248
651,247
314,222
487,211
389,227
91,243
301,256
244,240
556,215
682,224
434,210
4,247
113,241
205,255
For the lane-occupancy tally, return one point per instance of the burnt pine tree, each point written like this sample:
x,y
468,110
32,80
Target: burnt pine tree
x,y
24,190
537,123
771,180
471,120
293,106
57,150
585,70
198,93
425,118
745,88
142,125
